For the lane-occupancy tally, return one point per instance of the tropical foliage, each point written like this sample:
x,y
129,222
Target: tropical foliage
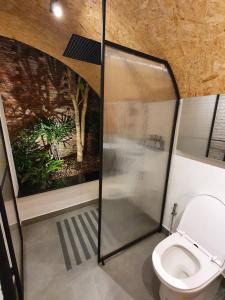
x,y
52,116
54,130
35,150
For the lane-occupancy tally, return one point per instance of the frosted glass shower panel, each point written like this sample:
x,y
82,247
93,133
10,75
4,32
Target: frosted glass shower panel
x,y
139,106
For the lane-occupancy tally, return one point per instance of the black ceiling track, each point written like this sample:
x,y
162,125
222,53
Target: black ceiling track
x,y
83,49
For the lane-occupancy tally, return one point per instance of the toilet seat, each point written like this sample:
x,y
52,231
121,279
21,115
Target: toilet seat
x,y
208,269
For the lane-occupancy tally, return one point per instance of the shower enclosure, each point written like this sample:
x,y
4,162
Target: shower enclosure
x,y
139,107
10,231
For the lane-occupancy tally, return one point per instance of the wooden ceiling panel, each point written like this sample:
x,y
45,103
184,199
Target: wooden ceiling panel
x,y
189,34
31,22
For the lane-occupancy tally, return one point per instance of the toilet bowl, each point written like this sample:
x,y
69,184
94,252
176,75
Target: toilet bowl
x,y
190,262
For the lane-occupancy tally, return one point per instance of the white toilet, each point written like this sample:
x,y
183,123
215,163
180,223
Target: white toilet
x,y
190,261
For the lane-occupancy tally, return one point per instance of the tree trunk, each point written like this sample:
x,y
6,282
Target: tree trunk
x,y
78,133
79,120
54,150
75,100
83,114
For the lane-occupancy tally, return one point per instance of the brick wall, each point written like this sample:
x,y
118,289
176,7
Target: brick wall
x,y
31,84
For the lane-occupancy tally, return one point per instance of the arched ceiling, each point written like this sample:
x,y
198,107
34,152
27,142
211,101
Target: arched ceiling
x,y
30,22
189,34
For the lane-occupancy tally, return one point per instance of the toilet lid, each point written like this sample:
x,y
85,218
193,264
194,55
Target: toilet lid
x,y
203,221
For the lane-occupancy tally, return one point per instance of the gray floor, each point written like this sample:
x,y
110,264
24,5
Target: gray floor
x,y
50,274
123,222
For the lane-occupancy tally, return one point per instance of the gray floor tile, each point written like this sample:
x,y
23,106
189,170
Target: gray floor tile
x,y
126,276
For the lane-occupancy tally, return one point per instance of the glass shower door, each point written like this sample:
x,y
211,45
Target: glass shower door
x,y
139,109
7,286
10,219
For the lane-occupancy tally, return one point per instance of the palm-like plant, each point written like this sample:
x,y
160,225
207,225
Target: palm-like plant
x,y
54,130
34,164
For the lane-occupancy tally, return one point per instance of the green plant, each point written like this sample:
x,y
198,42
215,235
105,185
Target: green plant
x,y
54,130
34,164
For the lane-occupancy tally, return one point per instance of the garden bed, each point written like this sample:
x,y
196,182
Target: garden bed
x,y
71,173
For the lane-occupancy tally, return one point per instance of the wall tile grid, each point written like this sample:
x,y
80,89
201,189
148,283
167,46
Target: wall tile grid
x,y
217,148
195,124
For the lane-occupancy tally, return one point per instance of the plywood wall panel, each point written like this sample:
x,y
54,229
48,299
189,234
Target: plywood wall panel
x,y
189,34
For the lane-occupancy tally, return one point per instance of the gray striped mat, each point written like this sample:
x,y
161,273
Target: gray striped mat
x,y
78,237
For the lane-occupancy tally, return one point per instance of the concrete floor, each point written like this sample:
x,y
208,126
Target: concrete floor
x,y
123,222
128,275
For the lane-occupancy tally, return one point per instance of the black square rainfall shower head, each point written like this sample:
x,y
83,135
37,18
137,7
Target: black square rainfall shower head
x,y
83,49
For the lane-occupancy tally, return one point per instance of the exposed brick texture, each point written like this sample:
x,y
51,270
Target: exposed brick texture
x,y
33,83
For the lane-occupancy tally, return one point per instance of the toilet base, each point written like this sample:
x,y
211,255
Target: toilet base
x,y
208,293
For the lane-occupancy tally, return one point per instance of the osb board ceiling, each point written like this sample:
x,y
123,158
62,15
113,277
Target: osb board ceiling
x,y
30,22
189,34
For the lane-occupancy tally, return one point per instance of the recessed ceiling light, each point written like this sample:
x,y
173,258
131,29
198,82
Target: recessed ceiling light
x,y
56,8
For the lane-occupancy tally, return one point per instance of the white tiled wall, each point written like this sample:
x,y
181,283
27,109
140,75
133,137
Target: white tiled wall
x,y
189,178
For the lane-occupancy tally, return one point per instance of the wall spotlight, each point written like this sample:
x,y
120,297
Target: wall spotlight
x,y
56,8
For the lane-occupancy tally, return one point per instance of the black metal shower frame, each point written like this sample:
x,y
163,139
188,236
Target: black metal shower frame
x,y
7,284
101,259
19,280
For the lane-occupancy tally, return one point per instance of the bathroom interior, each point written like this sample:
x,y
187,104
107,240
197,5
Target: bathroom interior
x,y
112,150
